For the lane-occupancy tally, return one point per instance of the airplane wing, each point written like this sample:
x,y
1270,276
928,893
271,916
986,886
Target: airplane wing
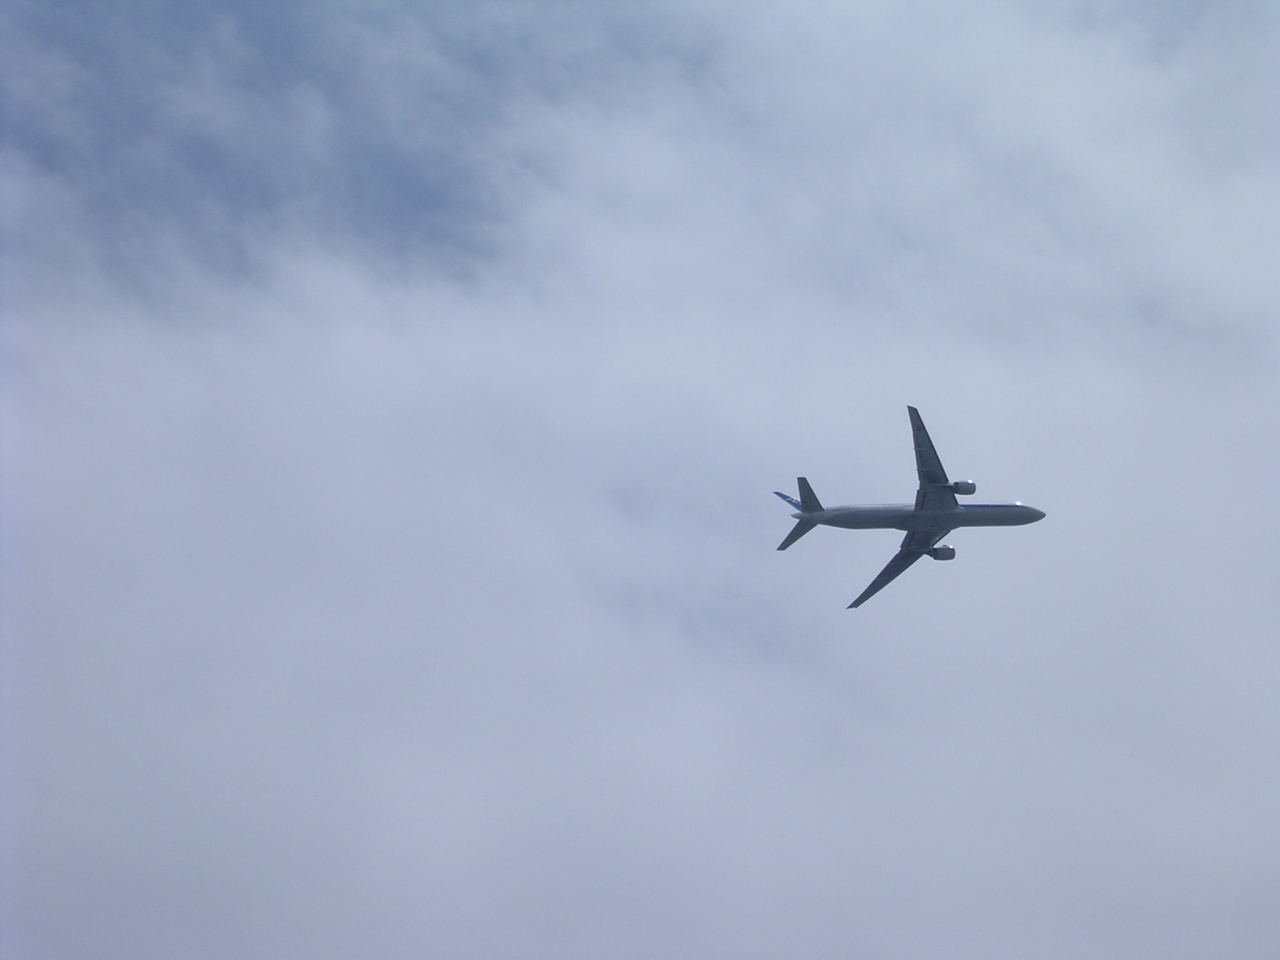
x,y
927,463
929,468
914,546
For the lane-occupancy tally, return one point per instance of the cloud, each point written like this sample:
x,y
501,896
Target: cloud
x,y
397,396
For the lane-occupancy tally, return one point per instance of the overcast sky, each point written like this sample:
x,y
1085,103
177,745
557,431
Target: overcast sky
x,y
392,399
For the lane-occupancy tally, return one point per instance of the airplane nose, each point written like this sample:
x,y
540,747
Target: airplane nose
x,y
1036,514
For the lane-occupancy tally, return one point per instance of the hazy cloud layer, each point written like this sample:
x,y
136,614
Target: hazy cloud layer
x,y
392,401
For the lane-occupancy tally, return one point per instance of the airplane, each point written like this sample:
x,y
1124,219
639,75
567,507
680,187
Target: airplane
x,y
934,514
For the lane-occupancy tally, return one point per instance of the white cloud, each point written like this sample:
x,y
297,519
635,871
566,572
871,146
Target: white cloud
x,y
403,593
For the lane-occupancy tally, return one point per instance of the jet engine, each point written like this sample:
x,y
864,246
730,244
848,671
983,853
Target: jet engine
x,y
966,488
943,552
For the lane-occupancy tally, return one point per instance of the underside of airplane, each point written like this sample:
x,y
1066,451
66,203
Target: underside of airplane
x,y
935,513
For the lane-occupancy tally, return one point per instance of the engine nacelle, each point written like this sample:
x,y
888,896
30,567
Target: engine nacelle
x,y
943,552
966,488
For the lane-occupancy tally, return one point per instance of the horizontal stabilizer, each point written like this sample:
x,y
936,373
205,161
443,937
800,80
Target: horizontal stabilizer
x,y
808,499
799,530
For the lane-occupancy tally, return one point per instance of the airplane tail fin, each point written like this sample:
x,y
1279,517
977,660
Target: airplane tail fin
x,y
808,503
791,500
799,530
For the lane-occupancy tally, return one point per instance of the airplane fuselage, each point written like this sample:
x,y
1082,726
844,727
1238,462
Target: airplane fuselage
x,y
904,516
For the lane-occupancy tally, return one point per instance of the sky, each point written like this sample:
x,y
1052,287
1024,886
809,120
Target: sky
x,y
392,399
